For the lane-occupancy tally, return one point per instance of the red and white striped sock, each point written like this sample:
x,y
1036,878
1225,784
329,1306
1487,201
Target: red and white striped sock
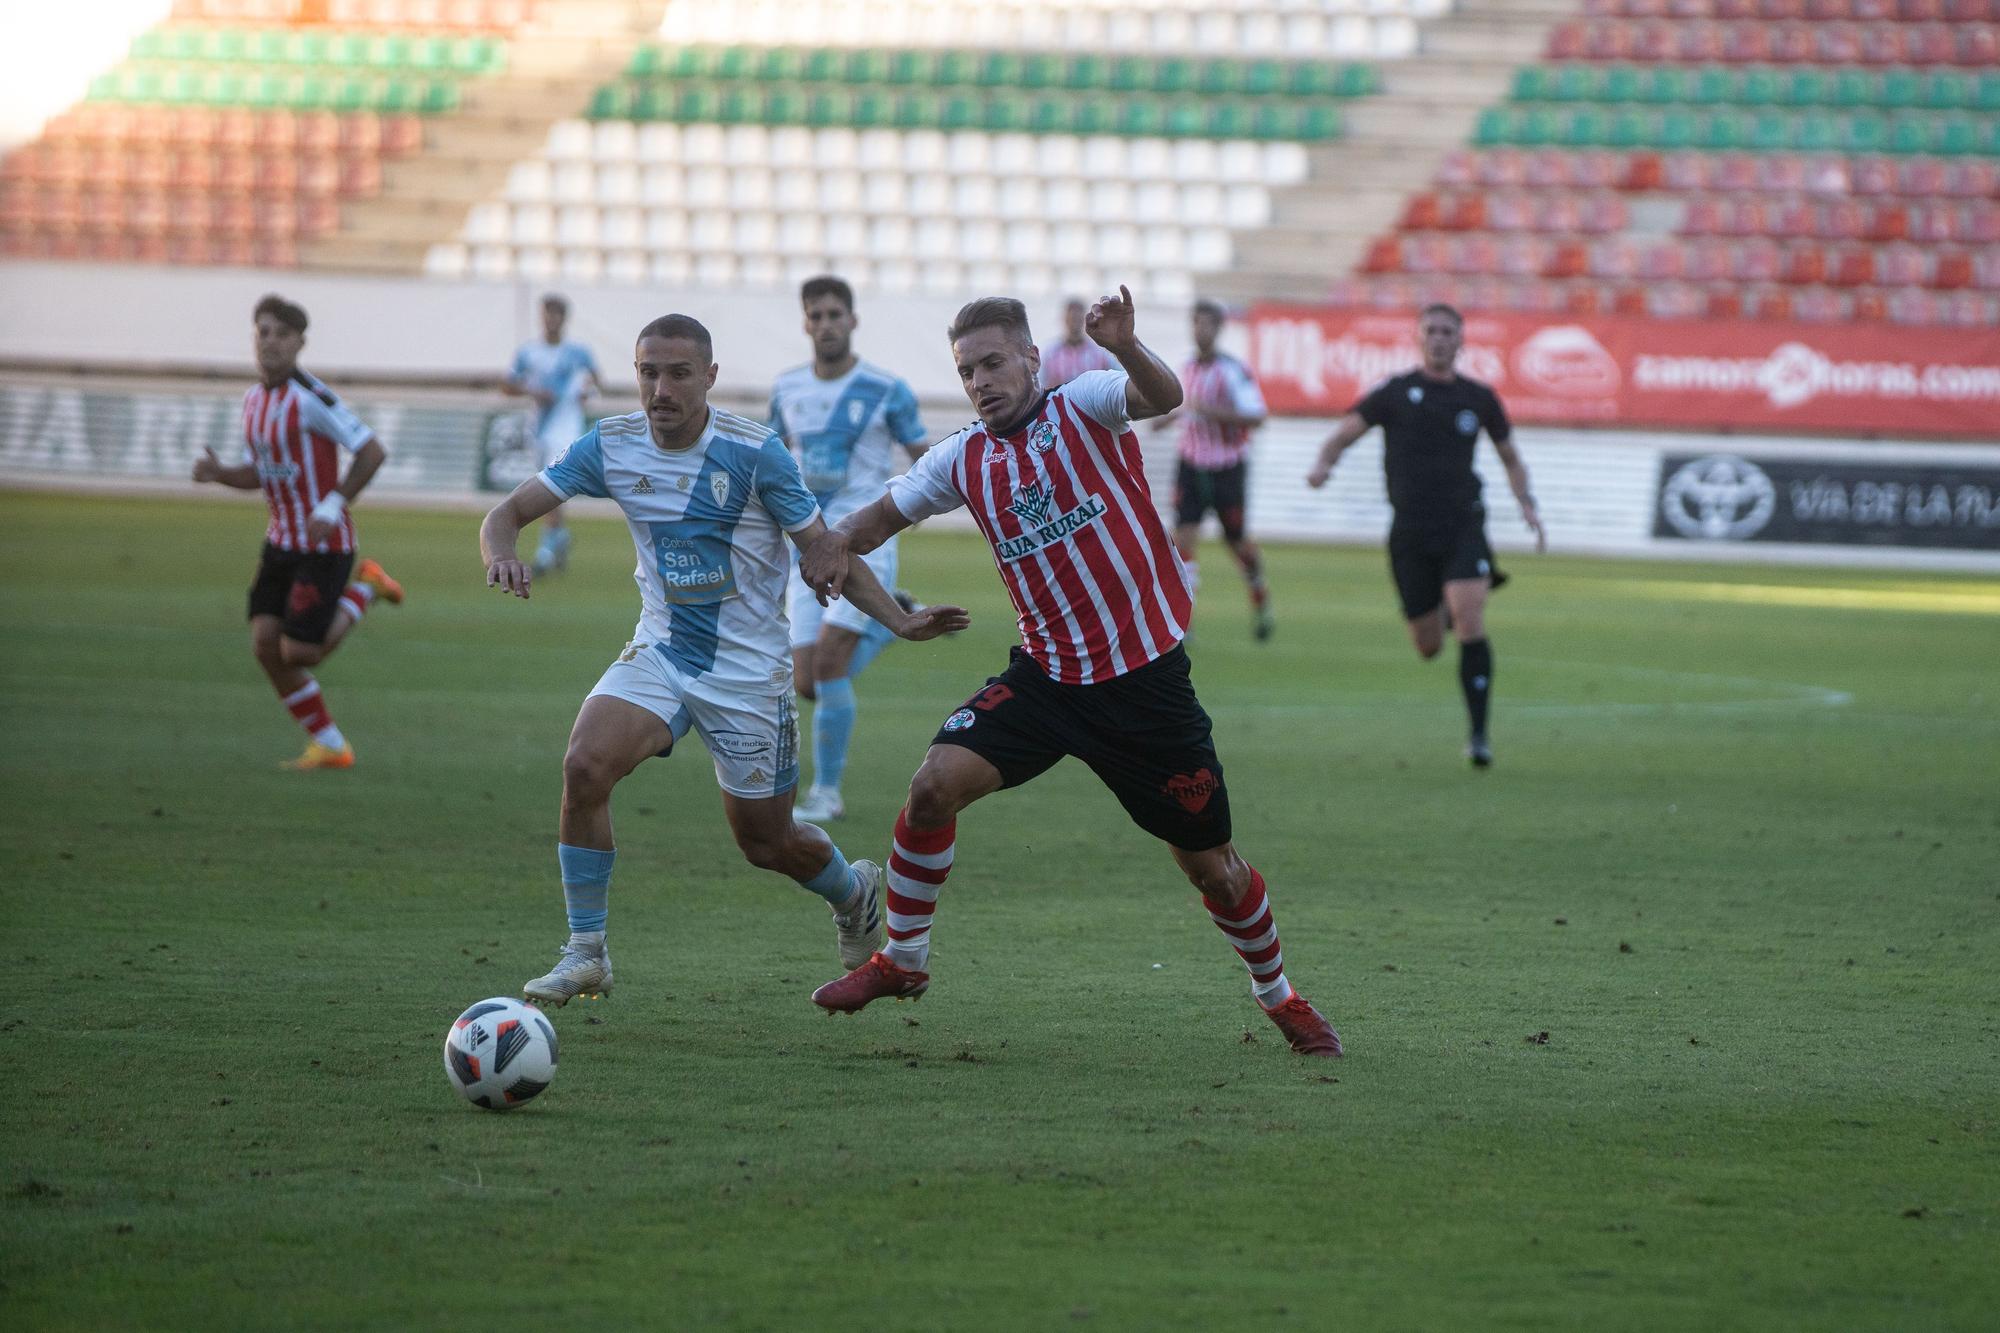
x,y
917,866
1254,935
356,599
309,710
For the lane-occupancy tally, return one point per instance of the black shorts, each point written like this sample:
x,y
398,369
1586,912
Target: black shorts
x,y
1425,557
1144,733
1198,490
301,588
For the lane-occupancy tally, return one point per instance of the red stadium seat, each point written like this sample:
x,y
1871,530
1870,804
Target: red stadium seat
x,y
1422,213
1850,266
1952,268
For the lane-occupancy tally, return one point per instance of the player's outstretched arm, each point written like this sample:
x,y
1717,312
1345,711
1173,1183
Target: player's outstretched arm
x,y
1517,481
1349,429
824,559
867,592
501,531
242,477
1154,388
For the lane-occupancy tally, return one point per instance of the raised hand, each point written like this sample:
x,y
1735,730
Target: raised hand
x,y
1110,322
208,467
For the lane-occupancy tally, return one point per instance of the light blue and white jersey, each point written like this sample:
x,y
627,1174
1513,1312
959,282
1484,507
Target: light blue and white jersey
x,y
563,369
709,523
844,432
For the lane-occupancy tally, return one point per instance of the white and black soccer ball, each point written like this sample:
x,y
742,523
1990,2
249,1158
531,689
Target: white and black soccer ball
x,y
500,1053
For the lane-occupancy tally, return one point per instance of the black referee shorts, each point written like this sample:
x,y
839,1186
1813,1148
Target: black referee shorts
x,y
302,589
1143,733
1423,557
1198,490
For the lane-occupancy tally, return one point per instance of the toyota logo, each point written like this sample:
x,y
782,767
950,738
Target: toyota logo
x,y
1718,498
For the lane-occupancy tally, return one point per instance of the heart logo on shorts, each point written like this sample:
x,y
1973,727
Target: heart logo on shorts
x,y
1192,791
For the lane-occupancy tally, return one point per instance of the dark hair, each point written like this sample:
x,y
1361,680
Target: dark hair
x,y
680,326
992,312
558,300
291,316
1440,308
826,285
1214,308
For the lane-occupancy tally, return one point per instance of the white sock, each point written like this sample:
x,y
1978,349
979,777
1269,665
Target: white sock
x,y
329,736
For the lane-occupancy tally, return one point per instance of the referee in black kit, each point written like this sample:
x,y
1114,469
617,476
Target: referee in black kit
x,y
1430,419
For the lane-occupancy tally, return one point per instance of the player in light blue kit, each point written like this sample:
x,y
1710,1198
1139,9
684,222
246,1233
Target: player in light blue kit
x,y
710,498
558,375
843,419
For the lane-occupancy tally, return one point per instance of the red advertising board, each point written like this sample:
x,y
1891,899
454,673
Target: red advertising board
x,y
1725,375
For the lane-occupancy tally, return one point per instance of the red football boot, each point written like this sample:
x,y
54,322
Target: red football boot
x,y
1304,1028
876,979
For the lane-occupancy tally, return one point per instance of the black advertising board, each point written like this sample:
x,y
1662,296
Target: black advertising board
x,y
1733,497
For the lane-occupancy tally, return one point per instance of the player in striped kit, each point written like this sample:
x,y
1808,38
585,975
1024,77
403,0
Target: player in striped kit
x,y
1055,482
1222,405
844,420
711,499
1063,361
302,604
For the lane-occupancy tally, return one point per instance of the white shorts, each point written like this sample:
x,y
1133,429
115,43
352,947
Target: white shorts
x,y
807,615
558,434
753,737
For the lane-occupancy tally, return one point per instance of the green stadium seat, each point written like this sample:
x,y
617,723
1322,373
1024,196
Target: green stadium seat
x,y
1761,87
781,64
1319,122
1853,87
1582,128
179,87
1712,84
1532,84
1271,119
613,101
1769,132
1900,88
1945,90
431,55
785,106
873,109
1094,115
696,104
1139,116
1986,96
741,104
1864,134
1302,78
652,101
734,62
227,45
1958,136
353,94
1806,87
150,45
1050,115
1909,135
956,69
222,88
1629,128
1127,75
830,107
958,111
1620,83
1494,128
867,66
924,111
912,67
1575,83
1722,130
1220,78
345,49
689,62
181,44
1815,134
1173,75
1041,70
645,63
1263,77
824,66
1676,129
1186,120
1228,120
1665,84
1085,73
1002,113
263,92
389,51
106,88
1000,69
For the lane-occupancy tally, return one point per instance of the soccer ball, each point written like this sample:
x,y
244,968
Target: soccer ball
x,y
500,1053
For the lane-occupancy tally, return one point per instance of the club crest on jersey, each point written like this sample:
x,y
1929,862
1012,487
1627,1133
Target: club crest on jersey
x,y
1468,422
718,485
1034,505
1042,438
1416,393
960,720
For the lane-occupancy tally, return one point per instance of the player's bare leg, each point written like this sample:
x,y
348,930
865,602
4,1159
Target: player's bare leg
x,y
1237,903
950,779
610,739
1427,633
300,693
1250,557
1466,599
770,838
831,662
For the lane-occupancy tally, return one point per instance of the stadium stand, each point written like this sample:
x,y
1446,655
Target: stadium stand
x,y
1813,160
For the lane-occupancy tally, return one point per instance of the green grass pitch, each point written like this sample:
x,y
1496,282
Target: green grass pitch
x,y
1739,860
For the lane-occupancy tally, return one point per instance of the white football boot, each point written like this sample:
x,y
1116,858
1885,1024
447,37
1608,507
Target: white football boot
x,y
820,805
859,929
575,973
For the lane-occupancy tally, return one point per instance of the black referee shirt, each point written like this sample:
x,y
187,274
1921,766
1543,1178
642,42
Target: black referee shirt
x,y
1429,428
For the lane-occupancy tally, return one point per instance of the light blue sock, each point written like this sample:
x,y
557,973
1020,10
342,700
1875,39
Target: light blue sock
x,y
835,882
833,725
872,643
586,881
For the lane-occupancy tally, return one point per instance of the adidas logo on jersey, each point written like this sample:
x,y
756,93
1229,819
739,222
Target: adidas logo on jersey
x,y
643,486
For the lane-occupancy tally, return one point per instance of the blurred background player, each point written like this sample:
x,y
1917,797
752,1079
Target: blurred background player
x,y
1064,361
558,375
302,604
1052,480
710,498
842,419
1430,419
1222,404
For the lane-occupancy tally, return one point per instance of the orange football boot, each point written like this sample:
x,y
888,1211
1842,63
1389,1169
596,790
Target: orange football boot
x,y
876,979
376,577
321,756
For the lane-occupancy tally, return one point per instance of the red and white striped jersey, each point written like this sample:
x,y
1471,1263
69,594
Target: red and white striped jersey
x,y
1064,361
1222,382
1098,587
295,434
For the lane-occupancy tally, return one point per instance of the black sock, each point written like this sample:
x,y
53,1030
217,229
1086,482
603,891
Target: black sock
x,y
1475,677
